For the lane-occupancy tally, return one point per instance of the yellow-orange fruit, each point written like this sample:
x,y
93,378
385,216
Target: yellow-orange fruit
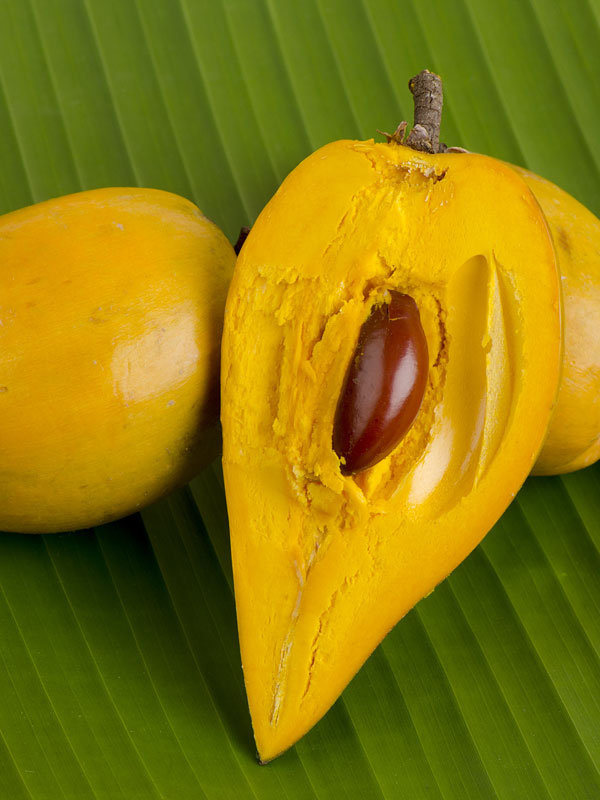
x,y
325,563
111,306
573,437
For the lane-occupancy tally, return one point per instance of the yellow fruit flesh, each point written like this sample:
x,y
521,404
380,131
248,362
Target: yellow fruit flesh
x,y
324,564
111,312
573,437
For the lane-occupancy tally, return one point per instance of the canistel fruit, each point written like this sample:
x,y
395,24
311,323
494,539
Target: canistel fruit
x,y
111,307
335,539
573,437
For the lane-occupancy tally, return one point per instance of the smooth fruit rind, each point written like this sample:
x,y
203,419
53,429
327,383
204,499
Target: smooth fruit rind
x,y
573,438
111,311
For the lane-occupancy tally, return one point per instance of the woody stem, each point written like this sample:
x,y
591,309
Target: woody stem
x,y
426,88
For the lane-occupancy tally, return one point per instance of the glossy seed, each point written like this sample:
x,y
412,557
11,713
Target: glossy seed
x,y
384,385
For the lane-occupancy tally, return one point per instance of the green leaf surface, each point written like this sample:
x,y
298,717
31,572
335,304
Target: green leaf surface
x,y
120,671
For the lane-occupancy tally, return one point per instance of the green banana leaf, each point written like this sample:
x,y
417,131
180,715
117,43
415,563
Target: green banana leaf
x,y
120,672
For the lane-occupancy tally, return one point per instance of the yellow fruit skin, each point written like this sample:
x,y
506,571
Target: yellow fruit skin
x,y
111,306
326,564
573,437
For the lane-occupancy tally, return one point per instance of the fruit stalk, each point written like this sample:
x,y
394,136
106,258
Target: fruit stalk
x,y
426,88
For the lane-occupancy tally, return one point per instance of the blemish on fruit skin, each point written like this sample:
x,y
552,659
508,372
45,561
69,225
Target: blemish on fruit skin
x,y
563,240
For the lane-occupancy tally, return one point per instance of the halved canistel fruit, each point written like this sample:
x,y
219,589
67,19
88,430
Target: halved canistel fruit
x,y
329,555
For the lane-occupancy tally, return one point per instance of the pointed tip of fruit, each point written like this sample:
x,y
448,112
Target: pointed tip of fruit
x,y
264,761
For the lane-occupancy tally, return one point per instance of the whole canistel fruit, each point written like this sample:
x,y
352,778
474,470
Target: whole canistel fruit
x,y
111,311
573,436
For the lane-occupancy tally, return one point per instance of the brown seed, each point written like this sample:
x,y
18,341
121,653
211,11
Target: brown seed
x,y
384,385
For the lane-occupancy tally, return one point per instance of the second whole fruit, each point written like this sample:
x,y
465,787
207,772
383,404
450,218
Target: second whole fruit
x,y
111,314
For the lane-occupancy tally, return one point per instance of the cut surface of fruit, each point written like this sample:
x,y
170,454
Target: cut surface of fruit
x,y
325,563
